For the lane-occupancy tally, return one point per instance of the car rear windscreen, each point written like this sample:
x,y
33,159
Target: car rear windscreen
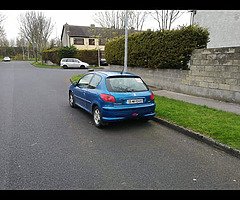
x,y
125,84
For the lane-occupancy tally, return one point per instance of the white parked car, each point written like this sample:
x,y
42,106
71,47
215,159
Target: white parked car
x,y
6,59
73,63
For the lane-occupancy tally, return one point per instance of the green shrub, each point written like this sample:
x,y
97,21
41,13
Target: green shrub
x,y
160,49
89,56
52,55
67,52
56,54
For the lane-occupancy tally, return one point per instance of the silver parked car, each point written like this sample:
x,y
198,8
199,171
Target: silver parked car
x,y
6,59
73,63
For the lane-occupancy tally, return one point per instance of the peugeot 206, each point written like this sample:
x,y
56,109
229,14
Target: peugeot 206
x,y
112,96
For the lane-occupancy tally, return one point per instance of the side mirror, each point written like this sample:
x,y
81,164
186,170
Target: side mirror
x,y
73,83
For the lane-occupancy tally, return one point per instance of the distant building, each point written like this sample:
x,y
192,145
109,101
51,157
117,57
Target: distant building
x,y
88,37
223,26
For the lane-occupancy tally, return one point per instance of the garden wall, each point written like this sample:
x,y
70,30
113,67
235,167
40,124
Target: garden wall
x,y
214,73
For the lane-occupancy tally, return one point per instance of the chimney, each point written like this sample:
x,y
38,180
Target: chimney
x,y
92,25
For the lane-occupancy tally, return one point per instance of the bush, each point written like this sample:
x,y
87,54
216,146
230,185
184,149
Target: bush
x,y
160,49
89,56
56,54
52,55
68,52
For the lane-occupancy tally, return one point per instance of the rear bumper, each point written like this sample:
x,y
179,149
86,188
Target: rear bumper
x,y
118,113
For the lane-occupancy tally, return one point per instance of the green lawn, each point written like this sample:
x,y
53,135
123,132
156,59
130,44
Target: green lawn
x,y
40,65
222,126
76,77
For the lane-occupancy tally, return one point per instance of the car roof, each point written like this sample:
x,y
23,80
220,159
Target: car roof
x,y
114,73
69,57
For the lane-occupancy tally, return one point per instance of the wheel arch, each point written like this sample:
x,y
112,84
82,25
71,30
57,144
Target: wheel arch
x,y
94,105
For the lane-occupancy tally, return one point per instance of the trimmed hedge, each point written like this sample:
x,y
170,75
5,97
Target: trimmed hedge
x,y
88,56
52,55
56,54
160,49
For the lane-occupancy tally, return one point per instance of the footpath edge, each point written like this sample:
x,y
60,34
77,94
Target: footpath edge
x,y
198,136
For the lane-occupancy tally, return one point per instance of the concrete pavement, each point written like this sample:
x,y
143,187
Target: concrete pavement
x,y
211,103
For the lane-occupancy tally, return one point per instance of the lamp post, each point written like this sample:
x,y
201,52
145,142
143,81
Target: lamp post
x,y
126,42
193,12
98,51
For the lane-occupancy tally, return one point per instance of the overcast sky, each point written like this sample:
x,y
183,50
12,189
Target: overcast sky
x,y
72,17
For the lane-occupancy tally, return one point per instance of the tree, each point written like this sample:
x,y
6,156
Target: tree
x,y
54,42
166,18
36,28
3,40
137,19
116,19
23,44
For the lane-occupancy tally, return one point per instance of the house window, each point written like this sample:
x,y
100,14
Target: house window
x,y
91,41
79,41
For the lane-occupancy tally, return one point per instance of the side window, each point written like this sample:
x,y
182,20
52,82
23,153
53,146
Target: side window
x,y
70,60
95,81
84,81
76,61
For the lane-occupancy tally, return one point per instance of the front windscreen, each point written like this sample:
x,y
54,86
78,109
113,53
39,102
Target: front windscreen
x,y
125,84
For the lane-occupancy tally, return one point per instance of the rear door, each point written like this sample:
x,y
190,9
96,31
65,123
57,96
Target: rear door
x,y
70,62
76,63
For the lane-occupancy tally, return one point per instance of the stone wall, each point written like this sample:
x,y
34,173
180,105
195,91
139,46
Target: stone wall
x,y
214,73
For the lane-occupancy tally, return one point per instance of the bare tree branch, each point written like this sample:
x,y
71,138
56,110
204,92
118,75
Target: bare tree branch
x,y
36,28
116,19
166,18
3,39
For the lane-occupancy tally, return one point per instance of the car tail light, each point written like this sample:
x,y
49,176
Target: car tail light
x,y
108,98
152,96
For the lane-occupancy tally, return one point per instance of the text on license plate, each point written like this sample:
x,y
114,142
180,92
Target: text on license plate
x,y
132,101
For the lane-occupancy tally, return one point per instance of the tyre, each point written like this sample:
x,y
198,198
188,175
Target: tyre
x,y
65,66
82,67
97,117
71,100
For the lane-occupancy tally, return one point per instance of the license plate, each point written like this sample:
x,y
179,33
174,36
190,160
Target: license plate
x,y
133,101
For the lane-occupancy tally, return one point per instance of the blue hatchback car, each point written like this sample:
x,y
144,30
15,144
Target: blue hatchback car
x,y
112,96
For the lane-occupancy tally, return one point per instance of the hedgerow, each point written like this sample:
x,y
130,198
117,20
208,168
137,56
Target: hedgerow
x,y
159,49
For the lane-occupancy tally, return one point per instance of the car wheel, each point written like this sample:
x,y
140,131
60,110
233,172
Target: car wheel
x,y
71,100
97,117
65,66
82,67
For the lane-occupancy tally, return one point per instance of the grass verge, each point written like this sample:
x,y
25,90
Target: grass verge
x,y
221,126
40,65
76,77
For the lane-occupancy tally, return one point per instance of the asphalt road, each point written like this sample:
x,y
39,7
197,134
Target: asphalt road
x,y
47,145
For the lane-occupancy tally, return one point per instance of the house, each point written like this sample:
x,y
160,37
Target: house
x,y
223,26
89,37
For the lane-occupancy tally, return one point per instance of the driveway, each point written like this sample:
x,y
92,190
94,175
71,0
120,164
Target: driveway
x,y
45,144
